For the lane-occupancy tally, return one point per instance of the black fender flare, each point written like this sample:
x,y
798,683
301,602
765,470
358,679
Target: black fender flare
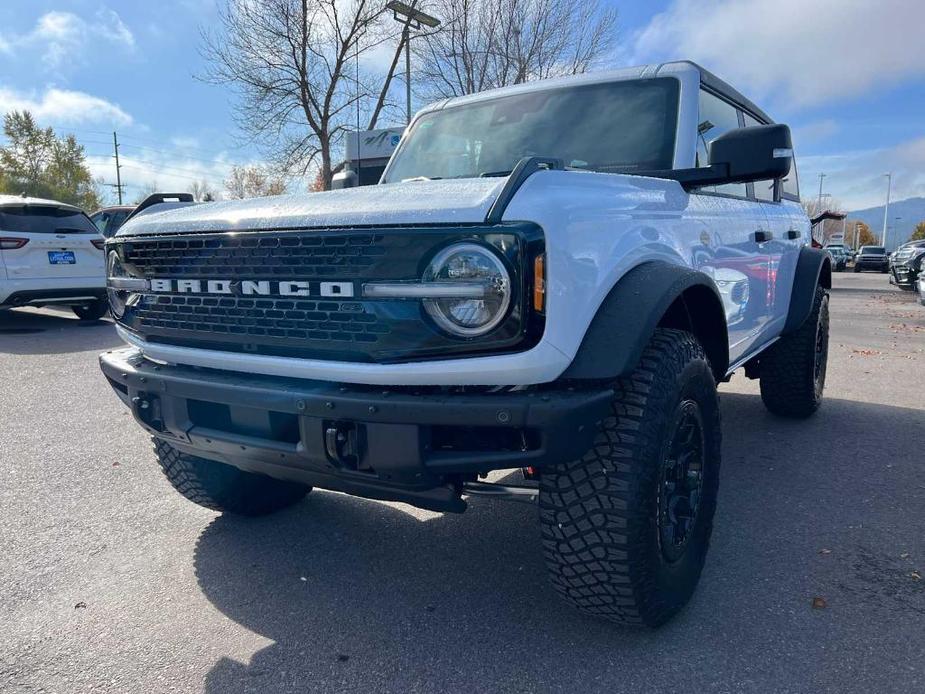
x,y
651,294
813,268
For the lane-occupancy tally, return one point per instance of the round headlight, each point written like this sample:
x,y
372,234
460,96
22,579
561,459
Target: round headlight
x,y
485,290
118,298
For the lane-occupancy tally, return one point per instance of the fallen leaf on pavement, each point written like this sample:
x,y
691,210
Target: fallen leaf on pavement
x,y
819,603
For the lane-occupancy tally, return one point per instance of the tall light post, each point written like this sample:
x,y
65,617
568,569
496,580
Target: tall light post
x,y
821,227
410,17
819,210
886,210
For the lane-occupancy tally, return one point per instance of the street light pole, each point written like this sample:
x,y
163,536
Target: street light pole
x,y
411,17
886,210
819,211
407,39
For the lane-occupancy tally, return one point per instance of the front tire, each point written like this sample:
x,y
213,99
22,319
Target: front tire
x,y
793,368
91,311
224,488
626,528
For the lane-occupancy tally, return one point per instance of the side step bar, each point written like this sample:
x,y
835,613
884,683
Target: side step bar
x,y
501,491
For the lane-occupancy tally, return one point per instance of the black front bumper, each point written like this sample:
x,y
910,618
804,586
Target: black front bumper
x,y
398,444
873,264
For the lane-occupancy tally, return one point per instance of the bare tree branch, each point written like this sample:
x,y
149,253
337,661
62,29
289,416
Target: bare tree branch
x,y
287,62
483,44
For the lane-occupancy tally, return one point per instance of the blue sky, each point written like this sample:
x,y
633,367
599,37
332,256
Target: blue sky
x,y
847,75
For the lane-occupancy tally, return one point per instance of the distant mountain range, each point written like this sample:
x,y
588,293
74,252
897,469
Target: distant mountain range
x,y
910,211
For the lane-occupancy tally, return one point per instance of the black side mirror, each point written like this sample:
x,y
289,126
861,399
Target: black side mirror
x,y
739,156
753,154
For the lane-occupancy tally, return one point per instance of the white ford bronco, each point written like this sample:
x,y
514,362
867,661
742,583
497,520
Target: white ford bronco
x,y
550,278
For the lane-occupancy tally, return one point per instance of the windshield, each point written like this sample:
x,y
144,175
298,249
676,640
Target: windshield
x,y
45,219
617,126
873,249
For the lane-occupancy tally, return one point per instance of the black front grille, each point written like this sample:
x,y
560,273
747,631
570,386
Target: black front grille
x,y
289,255
265,318
348,329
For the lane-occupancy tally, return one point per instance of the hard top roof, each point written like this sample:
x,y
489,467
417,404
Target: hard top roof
x,y
638,72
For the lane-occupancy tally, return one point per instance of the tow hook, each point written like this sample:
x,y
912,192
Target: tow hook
x,y
147,409
343,445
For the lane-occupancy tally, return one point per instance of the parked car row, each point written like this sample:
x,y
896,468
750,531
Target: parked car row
x,y
841,256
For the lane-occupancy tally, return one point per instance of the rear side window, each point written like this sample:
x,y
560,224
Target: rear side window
x,y
117,220
716,118
109,222
45,219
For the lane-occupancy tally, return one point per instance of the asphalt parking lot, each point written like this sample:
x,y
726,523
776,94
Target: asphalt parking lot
x,y
111,582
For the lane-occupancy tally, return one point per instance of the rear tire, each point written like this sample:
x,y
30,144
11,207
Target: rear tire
x,y
93,310
793,368
224,488
626,528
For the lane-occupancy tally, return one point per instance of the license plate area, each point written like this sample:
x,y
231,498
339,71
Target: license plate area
x,y
62,258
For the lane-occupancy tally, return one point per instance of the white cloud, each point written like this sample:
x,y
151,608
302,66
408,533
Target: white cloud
x,y
110,25
61,38
856,179
59,34
65,106
807,52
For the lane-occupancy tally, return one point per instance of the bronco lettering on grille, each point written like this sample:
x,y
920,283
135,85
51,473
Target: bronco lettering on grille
x,y
254,287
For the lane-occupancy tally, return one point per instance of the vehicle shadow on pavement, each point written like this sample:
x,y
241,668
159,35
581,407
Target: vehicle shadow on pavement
x,y
361,591
53,332
362,596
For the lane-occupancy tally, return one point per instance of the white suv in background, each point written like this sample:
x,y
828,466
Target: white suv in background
x,y
50,253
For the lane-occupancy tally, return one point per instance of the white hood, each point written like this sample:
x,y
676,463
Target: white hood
x,y
412,203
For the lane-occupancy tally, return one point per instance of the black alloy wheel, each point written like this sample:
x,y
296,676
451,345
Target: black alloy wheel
x,y
681,481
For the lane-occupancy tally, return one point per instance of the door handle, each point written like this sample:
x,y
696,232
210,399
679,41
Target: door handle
x,y
760,236
792,234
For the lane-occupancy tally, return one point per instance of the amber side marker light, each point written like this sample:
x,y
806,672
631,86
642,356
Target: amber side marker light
x,y
539,283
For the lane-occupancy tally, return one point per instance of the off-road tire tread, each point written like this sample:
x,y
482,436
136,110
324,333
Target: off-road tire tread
x,y
596,519
224,488
786,380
